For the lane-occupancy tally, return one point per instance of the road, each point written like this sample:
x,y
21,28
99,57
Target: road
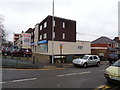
x,y
74,77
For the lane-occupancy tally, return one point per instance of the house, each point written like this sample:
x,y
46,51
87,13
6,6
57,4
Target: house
x,y
103,46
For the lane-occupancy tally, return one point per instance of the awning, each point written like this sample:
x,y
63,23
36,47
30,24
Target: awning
x,y
41,42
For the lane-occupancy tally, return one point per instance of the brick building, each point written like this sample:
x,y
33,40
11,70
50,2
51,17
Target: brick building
x,y
103,46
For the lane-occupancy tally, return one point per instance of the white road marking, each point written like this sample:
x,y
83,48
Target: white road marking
x,y
2,82
85,72
60,75
21,80
73,74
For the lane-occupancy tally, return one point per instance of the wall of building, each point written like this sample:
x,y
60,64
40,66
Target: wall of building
x,y
69,29
68,48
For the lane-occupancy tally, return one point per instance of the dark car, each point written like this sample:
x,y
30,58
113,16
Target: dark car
x,y
22,52
113,57
6,51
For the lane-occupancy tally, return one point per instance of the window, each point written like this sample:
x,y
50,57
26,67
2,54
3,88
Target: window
x,y
45,24
40,37
80,47
54,23
90,58
45,35
41,27
53,34
95,57
63,35
63,24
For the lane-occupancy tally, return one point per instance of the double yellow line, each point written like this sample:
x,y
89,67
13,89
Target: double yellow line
x,y
103,87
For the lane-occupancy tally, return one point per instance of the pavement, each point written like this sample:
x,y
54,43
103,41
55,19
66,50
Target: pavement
x,y
27,64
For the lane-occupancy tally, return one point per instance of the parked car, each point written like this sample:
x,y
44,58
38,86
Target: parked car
x,y
6,51
112,73
22,52
87,60
112,57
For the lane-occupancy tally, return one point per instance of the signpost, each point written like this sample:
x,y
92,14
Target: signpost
x,y
61,47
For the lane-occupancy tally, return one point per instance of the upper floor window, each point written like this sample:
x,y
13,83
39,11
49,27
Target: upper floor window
x,y
40,37
53,34
63,35
41,27
45,35
45,24
63,24
54,23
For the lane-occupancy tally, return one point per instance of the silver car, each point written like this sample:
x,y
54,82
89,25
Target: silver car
x,y
87,60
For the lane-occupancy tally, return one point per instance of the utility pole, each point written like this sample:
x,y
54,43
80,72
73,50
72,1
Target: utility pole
x,y
119,29
53,33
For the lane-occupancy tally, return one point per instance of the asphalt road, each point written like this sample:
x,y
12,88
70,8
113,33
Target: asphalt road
x,y
74,77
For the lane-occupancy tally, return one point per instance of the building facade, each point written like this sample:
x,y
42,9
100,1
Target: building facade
x,y
103,46
22,40
64,34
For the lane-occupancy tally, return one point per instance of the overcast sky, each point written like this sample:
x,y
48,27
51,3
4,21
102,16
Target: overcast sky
x,y
95,18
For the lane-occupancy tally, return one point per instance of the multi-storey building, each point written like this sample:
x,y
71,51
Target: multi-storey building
x,y
22,40
64,36
15,38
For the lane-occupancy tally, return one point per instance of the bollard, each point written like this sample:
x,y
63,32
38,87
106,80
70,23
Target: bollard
x,y
27,57
4,56
33,59
11,56
19,57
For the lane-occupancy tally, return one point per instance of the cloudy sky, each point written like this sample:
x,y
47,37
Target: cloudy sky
x,y
95,18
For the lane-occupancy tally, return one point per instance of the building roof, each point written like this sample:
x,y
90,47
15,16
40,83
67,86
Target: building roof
x,y
29,30
103,40
60,18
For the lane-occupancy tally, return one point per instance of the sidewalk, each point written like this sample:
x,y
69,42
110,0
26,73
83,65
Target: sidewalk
x,y
27,64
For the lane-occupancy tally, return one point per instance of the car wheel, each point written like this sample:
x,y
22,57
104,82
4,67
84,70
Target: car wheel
x,y
5,54
85,65
98,64
12,54
24,55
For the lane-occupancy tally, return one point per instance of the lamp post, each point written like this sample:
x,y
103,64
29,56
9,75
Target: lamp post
x,y
53,33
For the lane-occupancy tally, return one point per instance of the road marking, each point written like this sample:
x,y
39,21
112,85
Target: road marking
x,y
2,82
103,87
60,75
84,72
73,74
20,80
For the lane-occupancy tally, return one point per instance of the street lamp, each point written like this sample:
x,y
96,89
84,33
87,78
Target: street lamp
x,y
53,33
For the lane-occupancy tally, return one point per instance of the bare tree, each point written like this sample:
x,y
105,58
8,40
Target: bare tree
x,y
2,32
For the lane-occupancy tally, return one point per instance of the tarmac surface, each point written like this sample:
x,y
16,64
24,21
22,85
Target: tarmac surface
x,y
27,64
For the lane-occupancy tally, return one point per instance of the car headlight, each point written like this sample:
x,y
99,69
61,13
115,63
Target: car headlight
x,y
106,72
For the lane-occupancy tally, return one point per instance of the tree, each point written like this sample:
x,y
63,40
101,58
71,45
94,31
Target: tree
x,y
2,32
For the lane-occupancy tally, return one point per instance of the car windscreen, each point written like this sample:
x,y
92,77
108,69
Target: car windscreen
x,y
113,55
117,63
85,57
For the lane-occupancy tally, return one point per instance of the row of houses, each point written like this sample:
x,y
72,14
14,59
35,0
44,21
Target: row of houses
x,y
39,39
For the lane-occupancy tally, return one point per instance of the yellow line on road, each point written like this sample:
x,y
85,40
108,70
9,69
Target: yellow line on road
x,y
103,87
33,69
